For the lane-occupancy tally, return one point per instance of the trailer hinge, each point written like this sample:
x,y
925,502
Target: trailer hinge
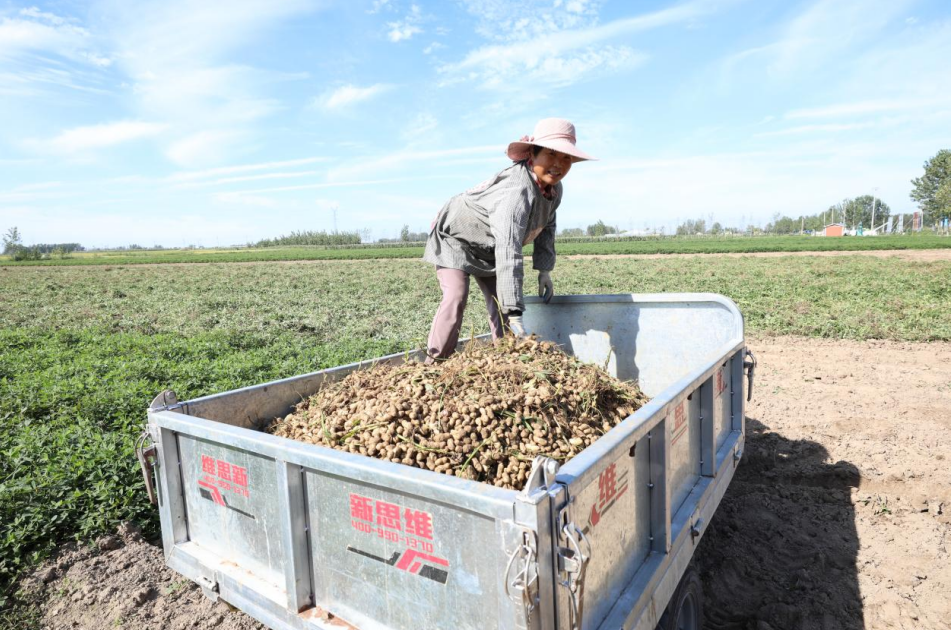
x,y
572,562
521,574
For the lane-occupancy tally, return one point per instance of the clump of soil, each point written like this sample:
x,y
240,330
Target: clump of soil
x,y
483,414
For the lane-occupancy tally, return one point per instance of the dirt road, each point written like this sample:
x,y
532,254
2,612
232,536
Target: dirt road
x,y
839,516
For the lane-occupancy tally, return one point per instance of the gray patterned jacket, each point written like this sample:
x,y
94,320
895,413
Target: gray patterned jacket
x,y
482,231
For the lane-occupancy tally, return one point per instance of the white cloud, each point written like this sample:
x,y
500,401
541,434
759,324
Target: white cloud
x,y
408,160
347,95
563,57
421,128
252,178
861,107
82,139
402,30
258,201
211,146
378,5
187,176
433,48
816,37
407,27
18,35
512,20
36,31
179,55
34,12
822,128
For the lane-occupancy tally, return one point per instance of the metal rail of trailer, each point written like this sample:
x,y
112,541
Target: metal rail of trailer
x,y
302,537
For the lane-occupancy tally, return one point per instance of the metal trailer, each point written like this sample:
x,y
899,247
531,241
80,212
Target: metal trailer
x,y
301,537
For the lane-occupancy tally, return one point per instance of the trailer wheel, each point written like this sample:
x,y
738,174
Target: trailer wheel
x,y
685,610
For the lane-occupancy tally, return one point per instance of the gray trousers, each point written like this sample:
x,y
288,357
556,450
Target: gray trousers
x,y
444,334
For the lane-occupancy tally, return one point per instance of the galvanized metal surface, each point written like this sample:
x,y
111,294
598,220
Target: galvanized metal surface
x,y
300,536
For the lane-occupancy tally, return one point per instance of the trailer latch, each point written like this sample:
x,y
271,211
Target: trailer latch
x,y
572,562
148,457
525,581
749,365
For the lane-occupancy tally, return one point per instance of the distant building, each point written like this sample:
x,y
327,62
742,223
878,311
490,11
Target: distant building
x,y
833,229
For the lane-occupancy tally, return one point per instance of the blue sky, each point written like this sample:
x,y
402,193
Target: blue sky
x,y
222,122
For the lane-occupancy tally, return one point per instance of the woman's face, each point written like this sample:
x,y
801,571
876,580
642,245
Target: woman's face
x,y
551,166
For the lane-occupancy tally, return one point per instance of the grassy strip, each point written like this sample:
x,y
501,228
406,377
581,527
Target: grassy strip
x,y
71,402
650,245
84,349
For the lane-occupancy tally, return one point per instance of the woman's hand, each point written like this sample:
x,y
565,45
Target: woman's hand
x,y
514,323
545,287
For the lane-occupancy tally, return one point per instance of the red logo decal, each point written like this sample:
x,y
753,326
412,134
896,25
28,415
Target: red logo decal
x,y
680,424
220,475
610,489
389,517
721,382
411,562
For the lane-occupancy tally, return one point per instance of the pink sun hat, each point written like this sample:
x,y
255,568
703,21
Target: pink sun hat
x,y
551,133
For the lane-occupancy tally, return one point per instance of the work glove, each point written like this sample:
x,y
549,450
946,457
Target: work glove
x,y
545,287
515,325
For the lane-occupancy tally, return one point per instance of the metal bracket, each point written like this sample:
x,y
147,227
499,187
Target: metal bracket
x,y
749,366
209,586
522,588
572,562
695,529
167,401
148,460
542,474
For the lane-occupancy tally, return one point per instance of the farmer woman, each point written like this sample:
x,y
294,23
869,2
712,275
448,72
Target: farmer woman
x,y
481,233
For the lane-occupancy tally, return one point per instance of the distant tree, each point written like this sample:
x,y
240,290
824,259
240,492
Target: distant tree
x,y
943,200
600,229
308,238
691,227
858,212
930,190
12,241
572,232
404,234
716,228
48,248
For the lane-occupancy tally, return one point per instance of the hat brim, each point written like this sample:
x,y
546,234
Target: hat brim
x,y
522,150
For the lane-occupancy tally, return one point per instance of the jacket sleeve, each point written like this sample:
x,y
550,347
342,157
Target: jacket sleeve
x,y
509,222
543,256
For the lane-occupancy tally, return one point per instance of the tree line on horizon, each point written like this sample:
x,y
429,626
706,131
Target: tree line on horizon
x,y
932,191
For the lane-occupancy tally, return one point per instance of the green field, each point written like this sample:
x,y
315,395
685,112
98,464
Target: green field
x,y
646,245
83,350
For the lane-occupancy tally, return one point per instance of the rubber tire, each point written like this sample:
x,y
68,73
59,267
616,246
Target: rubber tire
x,y
685,610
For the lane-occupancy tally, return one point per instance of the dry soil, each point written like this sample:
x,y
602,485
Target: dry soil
x,y
839,515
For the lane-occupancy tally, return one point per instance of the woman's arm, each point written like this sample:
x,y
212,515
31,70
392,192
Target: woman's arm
x,y
543,256
509,223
